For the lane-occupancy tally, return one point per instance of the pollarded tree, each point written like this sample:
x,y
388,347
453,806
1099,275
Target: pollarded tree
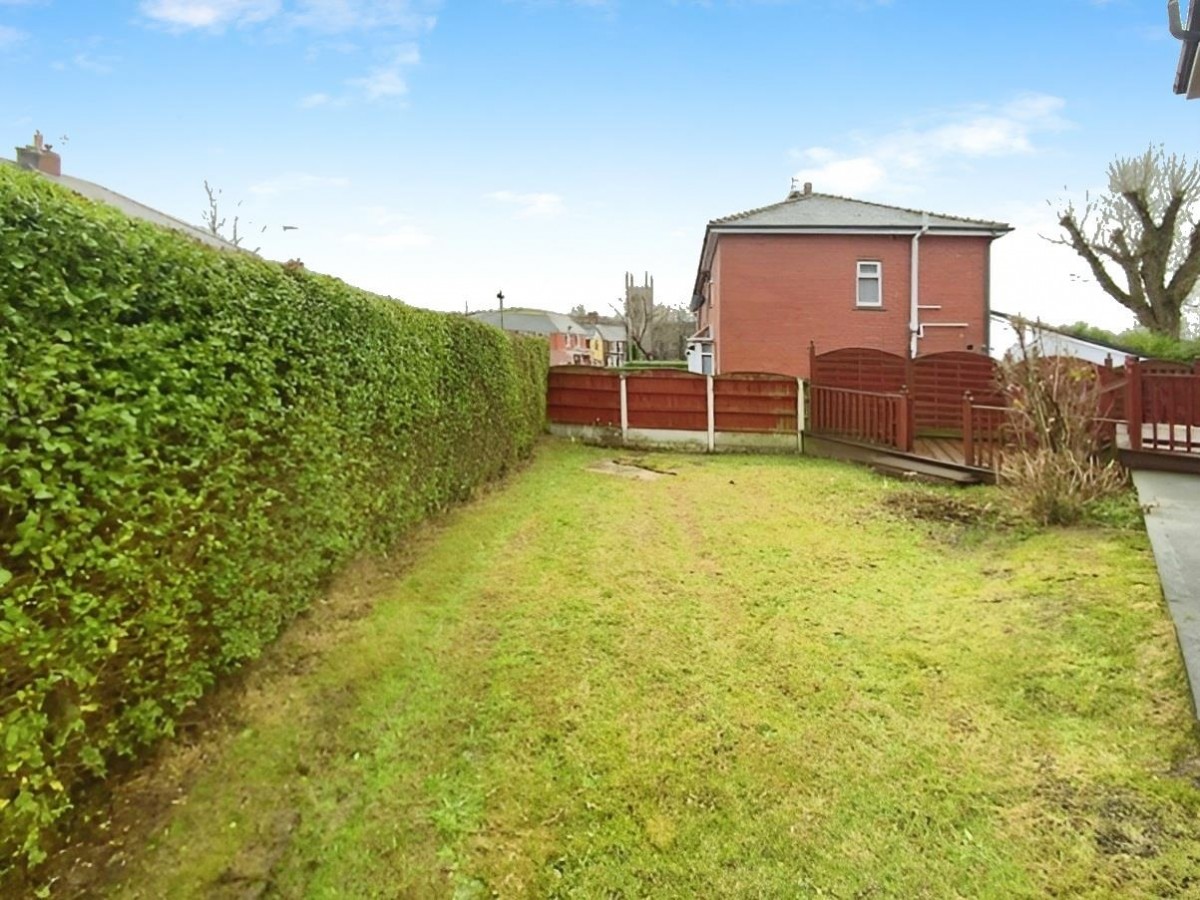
x,y
1143,232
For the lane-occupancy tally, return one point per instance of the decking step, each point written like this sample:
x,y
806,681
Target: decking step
x,y
894,461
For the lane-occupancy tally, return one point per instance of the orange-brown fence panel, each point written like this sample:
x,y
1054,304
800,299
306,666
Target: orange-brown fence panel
x,y
1163,403
869,416
755,402
984,432
858,369
584,395
938,382
667,399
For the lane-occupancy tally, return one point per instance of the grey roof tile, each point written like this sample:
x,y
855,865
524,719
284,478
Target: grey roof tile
x,y
831,211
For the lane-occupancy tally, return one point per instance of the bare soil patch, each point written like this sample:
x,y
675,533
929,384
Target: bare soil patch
x,y
630,467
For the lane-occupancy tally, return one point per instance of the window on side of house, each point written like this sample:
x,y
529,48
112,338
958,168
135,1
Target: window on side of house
x,y
870,284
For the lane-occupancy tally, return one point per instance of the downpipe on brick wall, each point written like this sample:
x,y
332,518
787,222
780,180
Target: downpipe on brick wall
x,y
914,318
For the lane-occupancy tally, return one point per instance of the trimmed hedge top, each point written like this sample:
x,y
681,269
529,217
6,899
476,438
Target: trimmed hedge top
x,y
193,441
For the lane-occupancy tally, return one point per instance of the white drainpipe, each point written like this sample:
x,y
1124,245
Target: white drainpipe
x,y
914,291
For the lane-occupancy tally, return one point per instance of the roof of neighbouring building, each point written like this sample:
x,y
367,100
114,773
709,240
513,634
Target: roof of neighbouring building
x,y
612,333
531,321
131,208
1056,340
820,211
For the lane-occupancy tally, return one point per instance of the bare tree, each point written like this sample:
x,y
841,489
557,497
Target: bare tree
x,y
675,325
641,321
215,222
1143,232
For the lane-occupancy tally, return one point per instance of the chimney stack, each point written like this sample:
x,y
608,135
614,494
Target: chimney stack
x,y
807,188
39,157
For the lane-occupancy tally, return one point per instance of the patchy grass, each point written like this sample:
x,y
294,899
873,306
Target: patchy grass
x,y
757,678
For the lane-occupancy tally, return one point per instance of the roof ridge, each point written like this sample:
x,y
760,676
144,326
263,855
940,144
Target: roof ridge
x,y
750,212
920,212
801,198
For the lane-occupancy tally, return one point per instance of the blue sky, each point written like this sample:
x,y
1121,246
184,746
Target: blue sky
x,y
441,150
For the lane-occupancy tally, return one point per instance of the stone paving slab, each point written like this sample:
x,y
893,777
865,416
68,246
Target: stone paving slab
x,y
1172,505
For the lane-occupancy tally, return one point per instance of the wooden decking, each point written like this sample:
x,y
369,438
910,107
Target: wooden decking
x,y
922,462
941,449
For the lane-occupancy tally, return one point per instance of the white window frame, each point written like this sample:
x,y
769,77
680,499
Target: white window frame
x,y
859,275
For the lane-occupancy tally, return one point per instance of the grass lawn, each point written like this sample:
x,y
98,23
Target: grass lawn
x,y
751,678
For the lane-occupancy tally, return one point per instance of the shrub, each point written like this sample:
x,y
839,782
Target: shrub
x,y
1053,465
193,441
1140,342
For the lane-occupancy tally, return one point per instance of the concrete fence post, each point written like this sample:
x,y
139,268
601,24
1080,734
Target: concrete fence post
x,y
624,410
712,415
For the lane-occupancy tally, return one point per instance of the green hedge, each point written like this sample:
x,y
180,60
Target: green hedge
x,y
193,441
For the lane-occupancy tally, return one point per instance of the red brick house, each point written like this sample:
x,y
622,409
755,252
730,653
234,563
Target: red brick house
x,y
838,273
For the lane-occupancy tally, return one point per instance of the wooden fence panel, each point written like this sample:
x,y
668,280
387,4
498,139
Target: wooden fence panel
x,y
870,416
858,369
755,402
584,395
939,382
668,399
1166,406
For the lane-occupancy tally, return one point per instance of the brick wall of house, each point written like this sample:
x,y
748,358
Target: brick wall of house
x,y
954,275
776,293
560,353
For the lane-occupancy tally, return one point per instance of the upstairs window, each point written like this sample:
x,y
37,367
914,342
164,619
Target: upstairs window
x,y
870,284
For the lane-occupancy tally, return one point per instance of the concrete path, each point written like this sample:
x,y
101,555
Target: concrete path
x,y
1172,505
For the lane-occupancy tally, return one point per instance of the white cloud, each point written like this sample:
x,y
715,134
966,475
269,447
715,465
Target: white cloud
x,y
292,182
406,236
336,16
320,98
10,37
897,158
531,206
98,65
855,175
388,80
212,14
385,81
325,16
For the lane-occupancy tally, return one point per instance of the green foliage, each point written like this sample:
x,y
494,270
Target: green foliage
x,y
194,440
1139,341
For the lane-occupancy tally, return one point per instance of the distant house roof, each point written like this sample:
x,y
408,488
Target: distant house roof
x,y
828,211
531,321
1187,72
131,208
612,333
